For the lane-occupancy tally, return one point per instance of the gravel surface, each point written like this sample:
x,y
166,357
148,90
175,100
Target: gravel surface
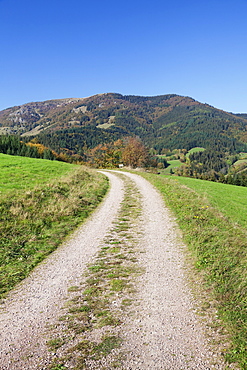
x,y
162,331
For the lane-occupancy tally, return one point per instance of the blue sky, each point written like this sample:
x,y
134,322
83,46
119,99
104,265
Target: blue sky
x,y
59,49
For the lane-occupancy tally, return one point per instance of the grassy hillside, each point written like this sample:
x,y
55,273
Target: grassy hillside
x,y
195,150
212,217
41,202
173,165
20,173
230,200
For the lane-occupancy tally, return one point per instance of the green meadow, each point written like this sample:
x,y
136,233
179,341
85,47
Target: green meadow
x,y
230,200
41,203
212,217
20,173
195,150
173,165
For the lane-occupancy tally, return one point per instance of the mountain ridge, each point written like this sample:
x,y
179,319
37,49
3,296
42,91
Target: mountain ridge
x,y
162,121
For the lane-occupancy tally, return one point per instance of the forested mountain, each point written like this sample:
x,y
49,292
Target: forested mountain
x,y
166,121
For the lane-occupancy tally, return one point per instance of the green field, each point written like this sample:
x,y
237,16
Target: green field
x,y
231,200
240,161
243,155
195,150
212,217
19,173
173,164
42,202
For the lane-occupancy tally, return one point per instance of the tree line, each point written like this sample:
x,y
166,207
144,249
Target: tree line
x,y
12,145
129,151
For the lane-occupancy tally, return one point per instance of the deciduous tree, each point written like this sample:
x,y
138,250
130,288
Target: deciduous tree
x,y
135,154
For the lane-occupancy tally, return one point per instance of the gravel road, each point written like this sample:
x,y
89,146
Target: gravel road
x,y
163,332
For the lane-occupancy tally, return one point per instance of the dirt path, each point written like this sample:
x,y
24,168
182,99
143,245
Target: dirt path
x,y
161,331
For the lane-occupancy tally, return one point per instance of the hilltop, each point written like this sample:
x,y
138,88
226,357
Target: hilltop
x,y
165,121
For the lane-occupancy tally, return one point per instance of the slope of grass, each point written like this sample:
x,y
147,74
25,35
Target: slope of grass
x,y
231,200
211,217
18,173
240,161
195,150
173,164
36,219
243,155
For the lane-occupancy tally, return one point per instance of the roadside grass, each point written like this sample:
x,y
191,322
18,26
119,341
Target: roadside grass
x,y
92,315
36,219
211,217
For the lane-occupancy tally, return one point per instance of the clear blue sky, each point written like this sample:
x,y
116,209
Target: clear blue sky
x,y
59,49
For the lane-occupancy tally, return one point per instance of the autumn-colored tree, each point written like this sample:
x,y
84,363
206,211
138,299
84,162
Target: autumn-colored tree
x,y
134,154
105,155
42,150
131,152
98,156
